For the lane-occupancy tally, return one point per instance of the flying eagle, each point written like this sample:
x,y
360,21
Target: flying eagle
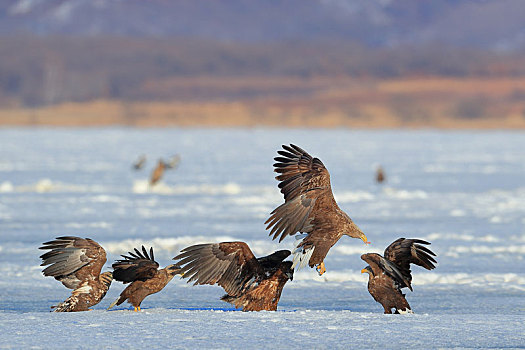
x,y
251,283
157,173
174,162
77,262
139,163
143,272
389,274
309,207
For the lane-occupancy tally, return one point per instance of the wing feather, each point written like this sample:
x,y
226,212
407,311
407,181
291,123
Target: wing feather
x,y
72,260
403,252
229,264
381,265
303,180
137,266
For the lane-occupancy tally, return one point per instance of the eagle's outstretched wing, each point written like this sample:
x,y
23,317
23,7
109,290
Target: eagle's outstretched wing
x,y
303,181
73,260
137,266
403,252
231,265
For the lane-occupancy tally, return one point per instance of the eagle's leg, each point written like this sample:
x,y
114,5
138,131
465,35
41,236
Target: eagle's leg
x,y
137,309
320,268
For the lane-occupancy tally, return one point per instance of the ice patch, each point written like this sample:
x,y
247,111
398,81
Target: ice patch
x,y
345,249
142,186
404,194
513,280
354,196
496,220
474,279
460,237
457,251
458,213
6,186
83,225
47,185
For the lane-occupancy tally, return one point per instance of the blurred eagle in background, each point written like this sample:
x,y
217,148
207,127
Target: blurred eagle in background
x,y
77,262
309,207
158,172
251,283
142,271
390,273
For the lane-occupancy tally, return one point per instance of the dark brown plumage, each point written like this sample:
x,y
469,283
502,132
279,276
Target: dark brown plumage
x,y
380,175
309,207
77,262
250,283
158,172
142,271
389,274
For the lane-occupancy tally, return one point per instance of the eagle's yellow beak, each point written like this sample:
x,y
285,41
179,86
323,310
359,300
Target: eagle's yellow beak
x,y
364,271
363,237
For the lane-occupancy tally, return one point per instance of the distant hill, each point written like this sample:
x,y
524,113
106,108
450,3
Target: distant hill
x,y
60,51
491,24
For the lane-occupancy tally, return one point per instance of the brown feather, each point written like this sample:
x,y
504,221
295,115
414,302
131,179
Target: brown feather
x,y
77,263
251,283
142,271
389,274
309,205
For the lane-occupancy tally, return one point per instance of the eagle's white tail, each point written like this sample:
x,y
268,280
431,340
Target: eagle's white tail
x,y
301,256
67,305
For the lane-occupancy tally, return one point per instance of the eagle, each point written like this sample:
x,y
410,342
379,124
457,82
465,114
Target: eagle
x,y
77,262
158,172
380,175
139,163
142,271
390,273
251,283
309,207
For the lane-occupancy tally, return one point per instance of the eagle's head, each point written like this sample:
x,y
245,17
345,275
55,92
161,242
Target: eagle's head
x,y
352,230
368,270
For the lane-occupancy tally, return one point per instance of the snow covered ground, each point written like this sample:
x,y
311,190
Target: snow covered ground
x,y
462,191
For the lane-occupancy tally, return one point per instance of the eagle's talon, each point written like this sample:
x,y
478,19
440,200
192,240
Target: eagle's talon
x,y
320,269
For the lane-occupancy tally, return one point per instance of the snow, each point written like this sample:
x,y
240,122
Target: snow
x,y
462,191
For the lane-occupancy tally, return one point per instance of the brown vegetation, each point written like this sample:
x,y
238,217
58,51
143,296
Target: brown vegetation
x,y
156,82
404,102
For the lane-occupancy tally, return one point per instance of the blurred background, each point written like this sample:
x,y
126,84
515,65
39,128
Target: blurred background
x,y
313,63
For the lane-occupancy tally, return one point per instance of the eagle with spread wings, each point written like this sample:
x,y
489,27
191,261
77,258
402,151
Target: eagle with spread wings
x,y
390,273
251,283
309,207
77,262
142,271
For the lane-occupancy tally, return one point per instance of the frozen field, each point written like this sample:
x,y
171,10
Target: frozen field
x,y
462,191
